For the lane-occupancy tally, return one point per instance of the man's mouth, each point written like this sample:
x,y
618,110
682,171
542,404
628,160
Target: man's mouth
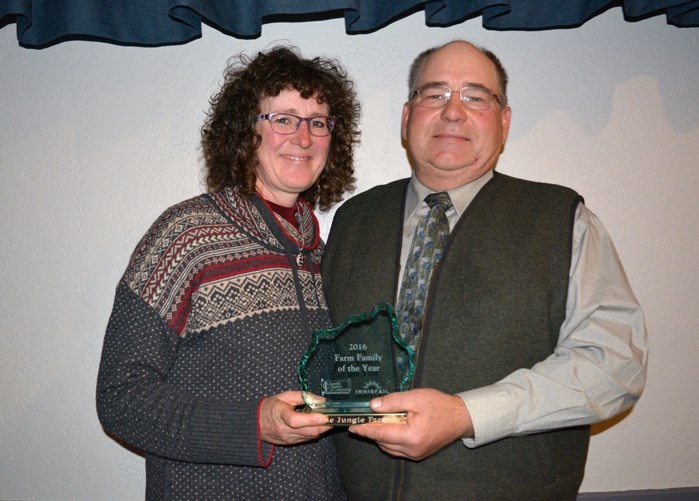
x,y
451,135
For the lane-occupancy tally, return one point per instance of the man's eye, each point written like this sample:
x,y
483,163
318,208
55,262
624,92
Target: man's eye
x,y
476,96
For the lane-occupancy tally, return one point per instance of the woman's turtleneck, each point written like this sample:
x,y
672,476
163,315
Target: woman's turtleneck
x,y
288,213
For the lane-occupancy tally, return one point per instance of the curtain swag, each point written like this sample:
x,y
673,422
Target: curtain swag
x,y
41,23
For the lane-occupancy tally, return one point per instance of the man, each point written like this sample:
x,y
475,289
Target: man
x,y
529,331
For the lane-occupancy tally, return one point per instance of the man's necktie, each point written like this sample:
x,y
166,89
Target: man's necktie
x,y
425,252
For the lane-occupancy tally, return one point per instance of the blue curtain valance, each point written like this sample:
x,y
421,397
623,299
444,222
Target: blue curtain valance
x,y
41,23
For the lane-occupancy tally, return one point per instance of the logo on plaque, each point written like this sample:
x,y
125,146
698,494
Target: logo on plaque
x,y
347,366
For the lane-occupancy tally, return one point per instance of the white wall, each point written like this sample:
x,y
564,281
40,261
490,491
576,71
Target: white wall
x,y
96,140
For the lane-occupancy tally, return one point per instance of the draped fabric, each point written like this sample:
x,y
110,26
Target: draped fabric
x,y
41,23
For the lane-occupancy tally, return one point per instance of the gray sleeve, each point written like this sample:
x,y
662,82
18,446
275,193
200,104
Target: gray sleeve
x,y
137,404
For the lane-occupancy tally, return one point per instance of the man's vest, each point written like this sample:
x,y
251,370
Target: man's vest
x,y
495,305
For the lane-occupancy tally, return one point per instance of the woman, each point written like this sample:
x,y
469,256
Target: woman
x,y
221,295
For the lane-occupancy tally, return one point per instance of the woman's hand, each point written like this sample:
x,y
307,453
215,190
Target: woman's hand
x,y
282,424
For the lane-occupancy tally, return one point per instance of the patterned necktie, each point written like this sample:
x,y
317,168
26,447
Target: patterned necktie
x,y
425,252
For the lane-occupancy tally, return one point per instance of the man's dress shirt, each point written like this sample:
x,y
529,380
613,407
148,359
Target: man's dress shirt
x,y
599,364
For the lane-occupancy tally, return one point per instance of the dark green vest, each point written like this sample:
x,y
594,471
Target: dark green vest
x,y
495,305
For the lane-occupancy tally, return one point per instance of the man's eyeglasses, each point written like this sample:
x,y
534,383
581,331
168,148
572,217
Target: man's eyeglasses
x,y
473,98
286,123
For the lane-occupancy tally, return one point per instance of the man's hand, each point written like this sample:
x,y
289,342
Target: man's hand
x,y
281,424
435,420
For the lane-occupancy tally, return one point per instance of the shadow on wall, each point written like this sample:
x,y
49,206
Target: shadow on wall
x,y
598,428
125,445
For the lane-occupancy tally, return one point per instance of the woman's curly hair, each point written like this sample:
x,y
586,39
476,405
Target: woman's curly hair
x,y
229,136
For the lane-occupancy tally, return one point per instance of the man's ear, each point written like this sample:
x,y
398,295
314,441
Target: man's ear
x,y
404,122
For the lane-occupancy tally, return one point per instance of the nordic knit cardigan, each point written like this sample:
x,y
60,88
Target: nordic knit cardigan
x,y
211,315
495,305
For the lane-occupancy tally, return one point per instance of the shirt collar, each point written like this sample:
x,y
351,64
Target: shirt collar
x,y
461,197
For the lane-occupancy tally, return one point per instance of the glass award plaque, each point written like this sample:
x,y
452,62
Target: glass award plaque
x,y
347,366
